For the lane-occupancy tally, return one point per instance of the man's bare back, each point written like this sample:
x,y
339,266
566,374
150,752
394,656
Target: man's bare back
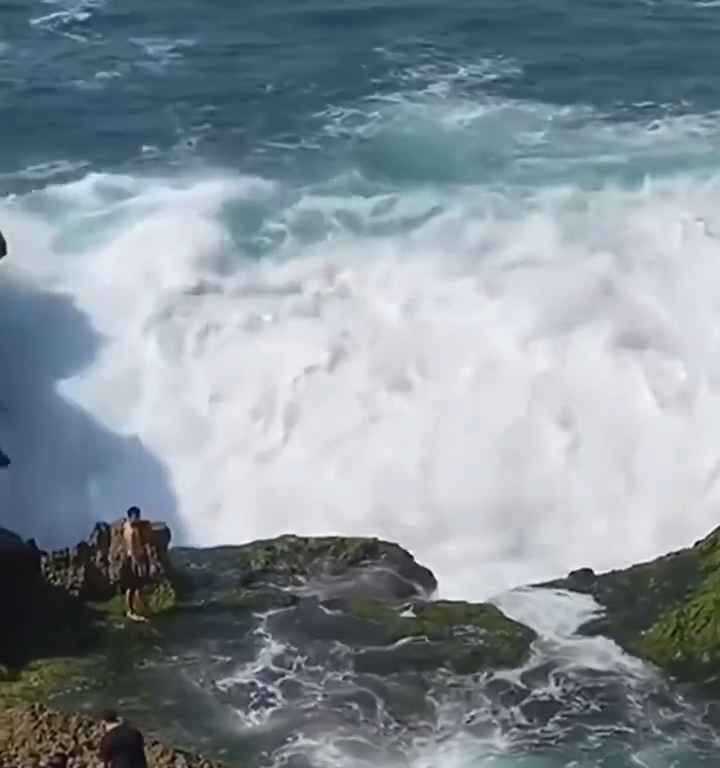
x,y
134,544
136,568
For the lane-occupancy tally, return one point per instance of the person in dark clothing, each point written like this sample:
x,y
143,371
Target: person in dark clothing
x,y
122,746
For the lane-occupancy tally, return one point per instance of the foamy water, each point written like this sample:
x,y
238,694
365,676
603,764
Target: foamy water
x,y
522,382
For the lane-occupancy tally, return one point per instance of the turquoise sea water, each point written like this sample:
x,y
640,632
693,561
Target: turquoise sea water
x,y
304,91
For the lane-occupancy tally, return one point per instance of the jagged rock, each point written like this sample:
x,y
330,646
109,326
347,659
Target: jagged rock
x,y
92,570
666,610
30,735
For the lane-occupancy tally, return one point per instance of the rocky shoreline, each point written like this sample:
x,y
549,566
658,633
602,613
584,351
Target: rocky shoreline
x,y
69,631
666,611
368,596
30,735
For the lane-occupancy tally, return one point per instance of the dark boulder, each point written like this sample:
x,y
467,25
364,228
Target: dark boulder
x,y
368,594
19,580
326,566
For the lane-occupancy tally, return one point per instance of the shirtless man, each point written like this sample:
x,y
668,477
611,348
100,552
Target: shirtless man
x,y
136,567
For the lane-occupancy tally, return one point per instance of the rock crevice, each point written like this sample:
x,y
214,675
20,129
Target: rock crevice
x,y
666,610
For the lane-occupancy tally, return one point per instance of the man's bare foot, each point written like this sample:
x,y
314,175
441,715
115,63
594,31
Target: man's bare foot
x,y
136,617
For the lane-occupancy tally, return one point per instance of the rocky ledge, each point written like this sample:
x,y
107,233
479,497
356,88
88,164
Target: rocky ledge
x,y
369,595
666,611
61,606
30,735
360,609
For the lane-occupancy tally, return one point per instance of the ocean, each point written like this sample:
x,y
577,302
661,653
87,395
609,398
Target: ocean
x,y
444,273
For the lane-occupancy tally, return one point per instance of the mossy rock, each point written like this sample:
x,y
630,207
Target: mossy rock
x,y
292,559
118,647
156,598
41,678
686,638
241,601
666,610
290,562
159,598
257,600
464,637
94,646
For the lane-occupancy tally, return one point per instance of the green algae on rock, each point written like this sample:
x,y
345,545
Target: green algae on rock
x,y
686,638
38,679
366,584
65,606
351,590
666,610
89,650
464,637
290,562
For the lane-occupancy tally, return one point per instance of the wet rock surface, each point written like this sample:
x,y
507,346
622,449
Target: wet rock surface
x,y
665,610
370,595
257,632
62,607
341,636
330,565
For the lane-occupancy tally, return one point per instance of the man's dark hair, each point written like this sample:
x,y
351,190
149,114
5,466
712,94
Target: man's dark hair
x,y
109,716
133,513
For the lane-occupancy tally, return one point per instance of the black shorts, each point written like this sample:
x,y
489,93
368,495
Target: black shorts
x,y
135,572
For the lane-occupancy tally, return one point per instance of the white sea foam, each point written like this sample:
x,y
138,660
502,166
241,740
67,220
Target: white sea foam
x,y
44,171
162,51
511,381
556,615
71,21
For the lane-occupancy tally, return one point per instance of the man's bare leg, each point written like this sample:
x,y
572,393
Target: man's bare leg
x,y
130,605
140,607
